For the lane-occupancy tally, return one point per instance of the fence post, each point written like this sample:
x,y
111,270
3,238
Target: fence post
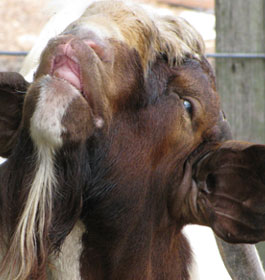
x,y
240,27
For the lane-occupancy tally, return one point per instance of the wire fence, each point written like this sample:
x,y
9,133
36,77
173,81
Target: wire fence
x,y
7,53
209,55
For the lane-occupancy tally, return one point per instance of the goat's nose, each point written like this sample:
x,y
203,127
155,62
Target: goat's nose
x,y
101,49
97,47
67,66
68,63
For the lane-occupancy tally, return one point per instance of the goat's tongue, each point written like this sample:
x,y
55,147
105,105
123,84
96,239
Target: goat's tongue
x,y
67,69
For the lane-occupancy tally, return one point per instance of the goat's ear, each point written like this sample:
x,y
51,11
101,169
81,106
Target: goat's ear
x,y
228,192
12,91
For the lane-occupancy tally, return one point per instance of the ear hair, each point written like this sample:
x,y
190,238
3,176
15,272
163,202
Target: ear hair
x,y
13,88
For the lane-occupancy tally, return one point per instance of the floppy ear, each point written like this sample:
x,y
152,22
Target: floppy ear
x,y
229,186
12,91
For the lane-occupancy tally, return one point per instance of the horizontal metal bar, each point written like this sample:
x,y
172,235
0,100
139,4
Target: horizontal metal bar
x,y
235,55
209,55
6,53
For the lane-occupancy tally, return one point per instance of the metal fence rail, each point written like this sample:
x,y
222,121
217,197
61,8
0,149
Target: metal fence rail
x,y
235,55
209,55
7,53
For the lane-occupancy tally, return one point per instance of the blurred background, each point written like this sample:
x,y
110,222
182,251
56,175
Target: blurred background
x,y
234,33
22,20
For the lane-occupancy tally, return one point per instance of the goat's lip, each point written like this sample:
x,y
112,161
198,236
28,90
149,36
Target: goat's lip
x,y
68,69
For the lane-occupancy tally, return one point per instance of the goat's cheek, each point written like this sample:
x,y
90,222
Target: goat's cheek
x,y
77,122
181,133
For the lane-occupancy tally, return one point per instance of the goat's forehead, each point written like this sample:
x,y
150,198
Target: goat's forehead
x,y
143,28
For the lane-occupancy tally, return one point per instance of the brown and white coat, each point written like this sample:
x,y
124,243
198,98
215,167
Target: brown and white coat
x,y
120,142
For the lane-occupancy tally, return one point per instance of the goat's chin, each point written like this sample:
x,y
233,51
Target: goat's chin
x,y
55,112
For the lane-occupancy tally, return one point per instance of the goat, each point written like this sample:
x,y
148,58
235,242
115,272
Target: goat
x,y
120,141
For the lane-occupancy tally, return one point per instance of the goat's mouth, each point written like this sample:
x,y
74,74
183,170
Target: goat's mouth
x,y
68,69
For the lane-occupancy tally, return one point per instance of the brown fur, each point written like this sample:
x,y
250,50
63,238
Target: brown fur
x,y
110,139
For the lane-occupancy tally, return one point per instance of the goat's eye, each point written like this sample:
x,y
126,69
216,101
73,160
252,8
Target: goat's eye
x,y
188,106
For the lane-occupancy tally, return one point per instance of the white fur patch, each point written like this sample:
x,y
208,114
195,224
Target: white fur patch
x,y
46,130
206,255
66,266
193,270
31,224
45,125
99,122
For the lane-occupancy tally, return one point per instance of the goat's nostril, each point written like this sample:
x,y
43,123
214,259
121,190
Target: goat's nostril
x,y
66,48
99,49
